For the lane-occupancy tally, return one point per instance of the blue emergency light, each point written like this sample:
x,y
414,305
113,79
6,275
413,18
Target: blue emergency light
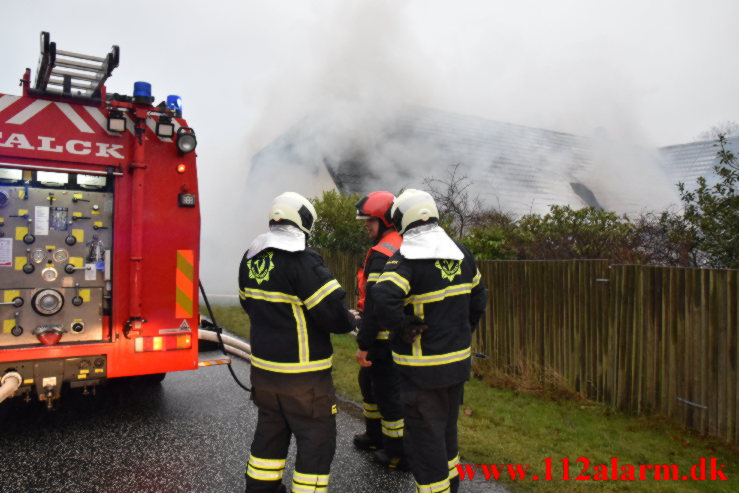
x,y
141,89
142,92
174,103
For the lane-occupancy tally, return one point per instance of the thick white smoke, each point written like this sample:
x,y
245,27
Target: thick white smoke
x,y
350,73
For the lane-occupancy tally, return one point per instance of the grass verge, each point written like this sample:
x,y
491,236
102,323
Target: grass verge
x,y
525,425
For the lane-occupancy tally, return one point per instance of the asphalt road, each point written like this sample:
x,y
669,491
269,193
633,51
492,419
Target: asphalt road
x,y
189,434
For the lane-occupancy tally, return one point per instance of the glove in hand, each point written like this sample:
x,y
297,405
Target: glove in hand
x,y
412,327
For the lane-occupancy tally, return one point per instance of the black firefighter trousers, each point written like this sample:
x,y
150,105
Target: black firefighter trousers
x,y
309,414
431,435
383,411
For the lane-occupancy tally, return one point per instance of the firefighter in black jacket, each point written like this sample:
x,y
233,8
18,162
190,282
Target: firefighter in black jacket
x,y
432,300
378,377
293,303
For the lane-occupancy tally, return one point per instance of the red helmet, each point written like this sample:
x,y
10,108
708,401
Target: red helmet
x,y
376,204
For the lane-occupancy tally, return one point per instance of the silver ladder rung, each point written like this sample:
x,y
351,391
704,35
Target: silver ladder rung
x,y
80,55
73,75
76,85
55,91
78,65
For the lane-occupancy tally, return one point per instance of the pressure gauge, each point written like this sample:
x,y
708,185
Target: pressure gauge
x,y
38,255
60,256
49,274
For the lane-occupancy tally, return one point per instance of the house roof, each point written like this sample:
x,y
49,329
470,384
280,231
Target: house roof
x,y
686,162
510,167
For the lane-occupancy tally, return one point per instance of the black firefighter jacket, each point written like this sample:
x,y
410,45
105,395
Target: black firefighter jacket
x,y
293,303
449,297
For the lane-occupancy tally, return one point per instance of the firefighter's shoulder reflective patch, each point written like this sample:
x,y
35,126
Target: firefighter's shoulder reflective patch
x,y
334,410
260,266
449,268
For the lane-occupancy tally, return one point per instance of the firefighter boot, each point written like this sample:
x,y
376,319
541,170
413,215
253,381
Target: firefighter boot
x,y
392,455
371,439
279,489
391,462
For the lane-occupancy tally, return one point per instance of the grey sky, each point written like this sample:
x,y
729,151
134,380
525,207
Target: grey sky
x,y
650,72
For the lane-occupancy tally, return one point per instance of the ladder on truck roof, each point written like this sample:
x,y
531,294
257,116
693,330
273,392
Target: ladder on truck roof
x,y
86,74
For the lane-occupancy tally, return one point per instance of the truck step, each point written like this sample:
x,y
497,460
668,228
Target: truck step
x,y
222,361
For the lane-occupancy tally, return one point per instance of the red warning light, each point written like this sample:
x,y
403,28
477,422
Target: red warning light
x,y
181,168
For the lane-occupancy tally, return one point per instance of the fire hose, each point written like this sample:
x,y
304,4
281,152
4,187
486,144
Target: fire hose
x,y
230,344
9,384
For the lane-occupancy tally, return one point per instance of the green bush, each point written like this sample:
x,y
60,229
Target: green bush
x,y
712,212
337,227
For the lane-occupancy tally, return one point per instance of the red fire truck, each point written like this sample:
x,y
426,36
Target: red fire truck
x,y
99,230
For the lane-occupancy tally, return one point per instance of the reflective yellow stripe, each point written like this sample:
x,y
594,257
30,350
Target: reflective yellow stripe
x,y
383,335
392,429
302,488
265,469
453,472
439,295
392,425
371,411
396,279
432,360
418,309
373,277
416,349
388,246
476,279
273,296
279,367
439,487
309,483
321,293
311,479
262,475
267,463
302,329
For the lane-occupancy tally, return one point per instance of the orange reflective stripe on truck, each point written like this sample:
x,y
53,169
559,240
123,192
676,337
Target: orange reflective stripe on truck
x,y
185,284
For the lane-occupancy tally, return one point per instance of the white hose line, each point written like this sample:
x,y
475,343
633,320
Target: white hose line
x,y
238,345
237,352
9,384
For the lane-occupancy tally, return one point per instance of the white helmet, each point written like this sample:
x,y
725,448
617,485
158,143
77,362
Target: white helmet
x,y
412,206
293,207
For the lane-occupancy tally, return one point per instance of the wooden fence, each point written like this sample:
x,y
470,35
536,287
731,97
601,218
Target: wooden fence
x,y
646,340
344,268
